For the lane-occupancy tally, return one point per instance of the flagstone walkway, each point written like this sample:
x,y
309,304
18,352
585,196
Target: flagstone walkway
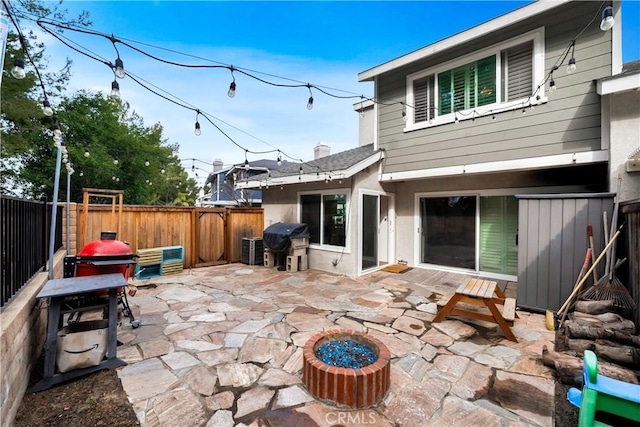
x,y
222,346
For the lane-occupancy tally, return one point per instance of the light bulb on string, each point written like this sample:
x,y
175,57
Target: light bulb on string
x,y
404,112
119,68
607,19
279,160
197,130
232,87
552,85
146,162
571,68
115,160
246,162
310,101
18,69
86,151
46,108
115,90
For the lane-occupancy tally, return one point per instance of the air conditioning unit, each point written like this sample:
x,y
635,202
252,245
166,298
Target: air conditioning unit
x,y
252,251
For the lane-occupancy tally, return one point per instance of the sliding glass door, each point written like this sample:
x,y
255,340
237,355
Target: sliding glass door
x,y
448,231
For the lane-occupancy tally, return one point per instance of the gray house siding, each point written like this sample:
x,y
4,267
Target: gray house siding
x,y
569,122
552,244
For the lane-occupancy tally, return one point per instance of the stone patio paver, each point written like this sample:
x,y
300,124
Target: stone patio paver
x,y
220,345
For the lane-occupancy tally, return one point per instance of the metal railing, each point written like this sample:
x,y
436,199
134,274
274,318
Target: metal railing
x,y
24,242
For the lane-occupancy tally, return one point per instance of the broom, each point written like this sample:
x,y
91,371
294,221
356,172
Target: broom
x,y
550,317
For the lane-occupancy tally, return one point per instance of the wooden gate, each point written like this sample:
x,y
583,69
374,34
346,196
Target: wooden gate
x,y
211,236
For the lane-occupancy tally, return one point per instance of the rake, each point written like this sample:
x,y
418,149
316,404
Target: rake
x,y
609,287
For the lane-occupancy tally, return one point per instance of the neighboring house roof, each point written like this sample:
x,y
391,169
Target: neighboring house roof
x,y
486,28
628,79
344,165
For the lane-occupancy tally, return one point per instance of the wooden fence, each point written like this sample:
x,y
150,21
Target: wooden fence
x,y
208,236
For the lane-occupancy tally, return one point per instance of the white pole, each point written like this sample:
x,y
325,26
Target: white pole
x,y
4,30
54,212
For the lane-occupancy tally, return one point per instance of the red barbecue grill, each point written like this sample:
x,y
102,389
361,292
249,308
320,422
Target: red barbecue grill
x,y
104,256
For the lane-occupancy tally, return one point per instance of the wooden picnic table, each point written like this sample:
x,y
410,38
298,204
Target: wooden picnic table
x,y
484,293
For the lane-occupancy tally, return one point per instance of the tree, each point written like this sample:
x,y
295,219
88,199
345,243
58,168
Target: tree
x,y
122,154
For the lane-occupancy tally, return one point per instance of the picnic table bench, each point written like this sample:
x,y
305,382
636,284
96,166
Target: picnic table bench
x,y
484,293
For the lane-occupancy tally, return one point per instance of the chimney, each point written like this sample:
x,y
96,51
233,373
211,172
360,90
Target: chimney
x,y
321,150
217,165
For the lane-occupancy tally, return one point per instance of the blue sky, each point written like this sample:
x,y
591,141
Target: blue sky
x,y
323,43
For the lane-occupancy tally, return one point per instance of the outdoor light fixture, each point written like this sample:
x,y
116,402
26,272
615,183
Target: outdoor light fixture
x,y
552,83
115,160
571,68
301,170
86,151
18,69
197,130
607,19
232,87
162,169
115,90
310,102
404,112
456,117
119,68
279,161
246,162
146,162
46,108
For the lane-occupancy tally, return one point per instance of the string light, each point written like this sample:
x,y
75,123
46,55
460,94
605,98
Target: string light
x,y
119,68
115,160
18,69
232,87
115,90
197,130
146,162
246,162
310,102
86,151
404,112
46,108
607,19
279,159
571,68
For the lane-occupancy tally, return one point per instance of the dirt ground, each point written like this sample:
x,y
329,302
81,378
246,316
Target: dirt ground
x,y
97,399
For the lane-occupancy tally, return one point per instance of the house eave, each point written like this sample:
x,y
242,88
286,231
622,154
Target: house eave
x,y
313,177
618,84
558,160
466,36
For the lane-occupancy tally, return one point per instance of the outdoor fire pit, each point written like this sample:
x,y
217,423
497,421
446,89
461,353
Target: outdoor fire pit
x,y
347,368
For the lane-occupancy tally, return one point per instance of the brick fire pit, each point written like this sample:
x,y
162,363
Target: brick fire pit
x,y
346,387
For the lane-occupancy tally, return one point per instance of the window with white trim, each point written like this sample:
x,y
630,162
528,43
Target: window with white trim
x,y
496,79
326,216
